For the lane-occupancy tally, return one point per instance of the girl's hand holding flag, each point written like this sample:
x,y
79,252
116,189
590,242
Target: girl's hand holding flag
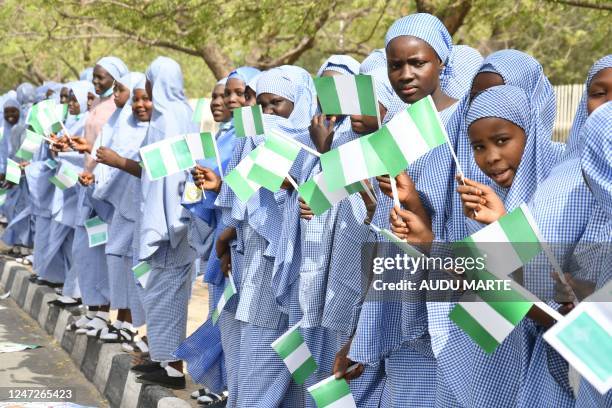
x,y
410,227
322,133
206,179
80,145
86,178
108,156
344,366
480,202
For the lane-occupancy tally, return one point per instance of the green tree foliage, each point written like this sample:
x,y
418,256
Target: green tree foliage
x,y
56,39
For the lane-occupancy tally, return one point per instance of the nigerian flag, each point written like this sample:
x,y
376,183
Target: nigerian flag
x,y
248,121
347,95
45,116
584,338
166,157
505,245
295,354
318,196
142,271
3,192
238,180
201,145
228,292
30,146
273,162
409,135
65,177
198,111
13,171
97,231
351,162
332,393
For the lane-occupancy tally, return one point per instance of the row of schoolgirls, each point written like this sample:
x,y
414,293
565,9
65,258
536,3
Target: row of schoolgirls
x,y
291,267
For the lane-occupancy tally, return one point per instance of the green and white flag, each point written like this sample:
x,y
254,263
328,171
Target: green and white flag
x,y
351,162
141,272
584,338
3,192
507,244
45,116
332,393
65,177
273,162
167,157
50,163
347,95
248,121
238,180
13,171
228,292
409,135
30,146
488,322
319,197
199,110
97,231
201,145
295,354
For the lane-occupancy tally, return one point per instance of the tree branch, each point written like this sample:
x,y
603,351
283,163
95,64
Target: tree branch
x,y
585,4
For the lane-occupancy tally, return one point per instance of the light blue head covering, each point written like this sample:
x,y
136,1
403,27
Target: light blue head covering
x,y
171,112
582,114
425,27
86,74
171,117
596,155
512,103
505,102
80,89
245,74
114,66
465,61
376,59
130,81
26,93
295,84
343,64
222,81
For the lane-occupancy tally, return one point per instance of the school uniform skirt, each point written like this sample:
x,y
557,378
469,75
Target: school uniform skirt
x,y
90,265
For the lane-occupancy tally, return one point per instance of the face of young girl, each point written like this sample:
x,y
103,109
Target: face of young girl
x,y
217,107
11,115
363,125
413,67
498,146
102,80
73,104
234,95
64,92
121,94
90,100
142,106
600,90
272,104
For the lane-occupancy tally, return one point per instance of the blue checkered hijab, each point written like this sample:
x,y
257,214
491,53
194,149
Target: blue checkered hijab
x,y
517,69
245,74
425,27
343,64
512,104
582,114
465,61
114,66
596,155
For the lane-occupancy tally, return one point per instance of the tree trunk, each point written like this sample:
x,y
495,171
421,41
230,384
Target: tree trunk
x,y
219,63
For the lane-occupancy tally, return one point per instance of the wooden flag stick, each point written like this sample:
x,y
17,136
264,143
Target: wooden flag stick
x,y
293,182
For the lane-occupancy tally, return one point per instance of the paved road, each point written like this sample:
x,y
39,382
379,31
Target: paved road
x,y
48,366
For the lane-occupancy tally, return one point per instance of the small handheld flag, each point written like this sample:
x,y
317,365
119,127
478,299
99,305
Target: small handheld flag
x,y
347,95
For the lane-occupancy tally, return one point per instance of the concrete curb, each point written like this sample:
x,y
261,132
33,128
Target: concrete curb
x,y
103,364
